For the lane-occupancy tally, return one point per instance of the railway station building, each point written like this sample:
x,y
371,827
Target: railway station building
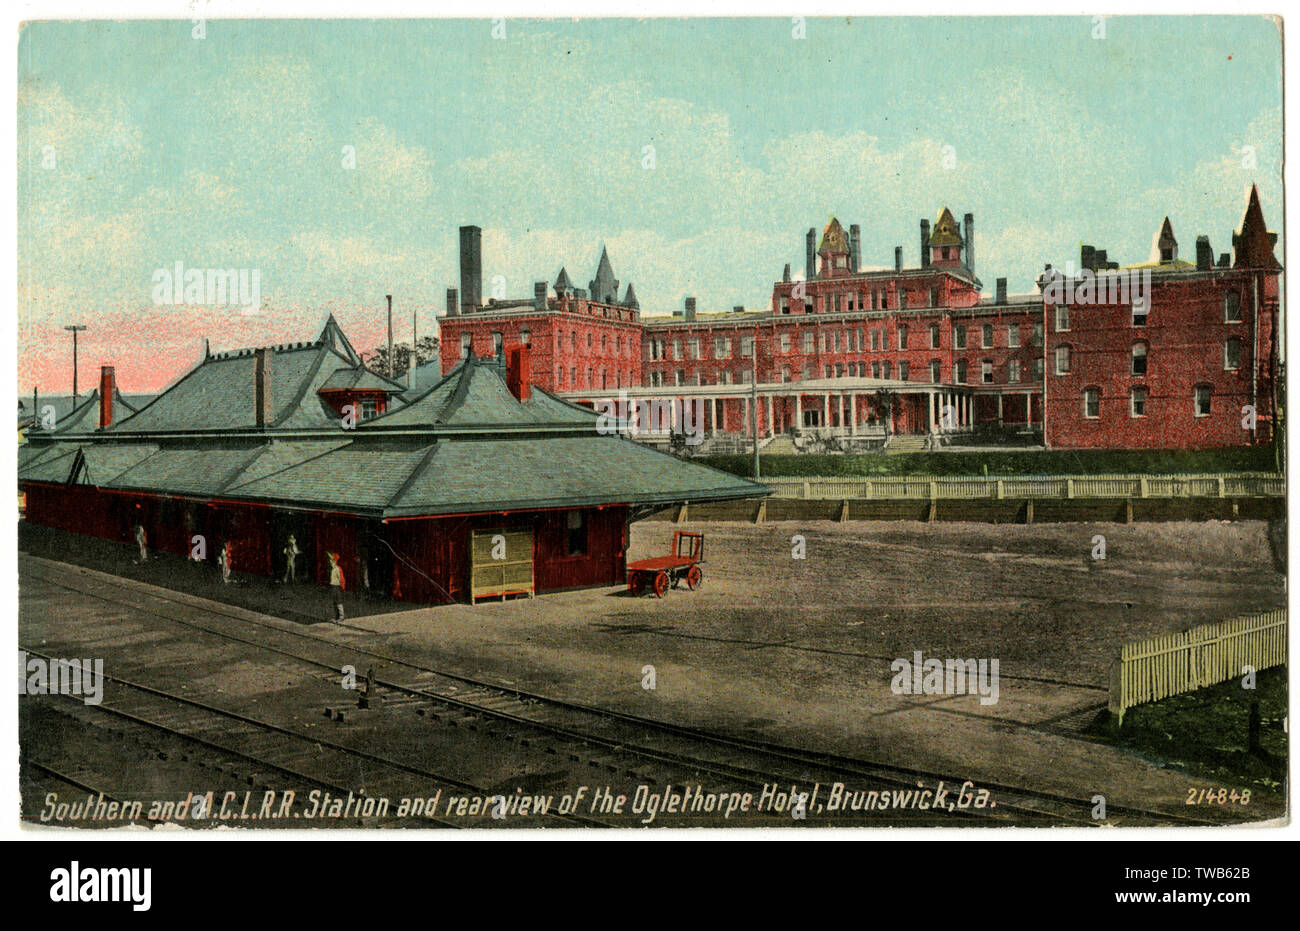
x,y
480,485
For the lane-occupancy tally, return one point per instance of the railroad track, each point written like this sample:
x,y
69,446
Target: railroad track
x,y
576,730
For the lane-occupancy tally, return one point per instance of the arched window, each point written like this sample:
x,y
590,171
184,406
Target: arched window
x,y
1138,359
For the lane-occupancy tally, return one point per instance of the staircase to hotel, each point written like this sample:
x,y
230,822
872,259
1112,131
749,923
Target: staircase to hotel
x,y
906,443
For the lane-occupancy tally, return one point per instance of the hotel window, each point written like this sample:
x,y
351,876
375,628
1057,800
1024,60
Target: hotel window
x,y
934,297
746,346
885,370
695,348
785,374
839,369
809,341
677,349
604,378
934,371
745,376
857,340
1062,360
875,340
785,305
1140,308
807,372
1038,334
836,302
902,337
573,378
1038,368
1138,358
1013,372
835,340
680,377
465,341
1203,400
884,339
1091,403
526,336
1062,318
902,371
1013,336
959,341
1232,307
986,372
589,340
1138,402
1232,354
656,379
573,340
724,377
987,337
828,372
934,336
902,300
721,347
875,369
785,342
961,372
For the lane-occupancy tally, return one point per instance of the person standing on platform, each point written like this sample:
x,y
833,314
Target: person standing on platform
x,y
291,552
141,541
223,560
336,584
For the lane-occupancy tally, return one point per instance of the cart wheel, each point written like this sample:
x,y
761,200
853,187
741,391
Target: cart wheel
x,y
693,577
661,583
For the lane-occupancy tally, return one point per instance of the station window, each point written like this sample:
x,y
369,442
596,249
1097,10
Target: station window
x,y
961,372
902,337
1062,360
986,372
934,336
466,340
785,342
934,371
1062,318
809,341
1013,335
575,533
1013,371
959,339
1038,368
903,370
1038,334
987,337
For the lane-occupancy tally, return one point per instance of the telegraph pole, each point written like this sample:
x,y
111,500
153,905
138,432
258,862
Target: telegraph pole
x,y
753,397
75,328
392,368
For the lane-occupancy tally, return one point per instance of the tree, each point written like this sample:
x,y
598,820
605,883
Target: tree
x,y
377,360
885,404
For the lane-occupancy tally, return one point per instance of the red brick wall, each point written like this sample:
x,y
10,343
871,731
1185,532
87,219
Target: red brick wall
x,y
1185,335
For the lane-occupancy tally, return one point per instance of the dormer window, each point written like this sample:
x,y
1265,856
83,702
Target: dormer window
x,y
369,408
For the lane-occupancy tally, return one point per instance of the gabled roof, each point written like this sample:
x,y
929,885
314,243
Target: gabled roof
x,y
1254,244
85,416
945,232
833,238
474,394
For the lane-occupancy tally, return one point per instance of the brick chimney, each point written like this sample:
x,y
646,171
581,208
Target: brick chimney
x,y
855,248
471,268
453,302
925,243
690,309
810,255
263,410
898,258
1204,254
969,222
107,385
1001,297
519,372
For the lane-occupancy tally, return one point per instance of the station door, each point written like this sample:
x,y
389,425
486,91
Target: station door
x,y
501,563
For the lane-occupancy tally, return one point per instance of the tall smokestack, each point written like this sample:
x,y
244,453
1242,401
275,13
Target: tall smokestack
x,y
855,247
898,258
264,413
925,243
810,256
106,389
969,221
471,267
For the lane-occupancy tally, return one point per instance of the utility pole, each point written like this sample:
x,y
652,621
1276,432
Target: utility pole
x,y
415,344
753,397
75,328
392,367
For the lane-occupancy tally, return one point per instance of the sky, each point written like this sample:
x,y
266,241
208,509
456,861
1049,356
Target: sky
x,y
336,159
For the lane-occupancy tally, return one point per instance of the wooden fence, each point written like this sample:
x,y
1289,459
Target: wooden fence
x,y
1149,670
976,487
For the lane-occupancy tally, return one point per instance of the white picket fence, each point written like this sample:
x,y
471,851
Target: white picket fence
x,y
1156,668
975,487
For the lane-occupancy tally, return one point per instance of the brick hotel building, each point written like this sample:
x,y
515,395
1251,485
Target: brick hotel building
x,y
903,352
